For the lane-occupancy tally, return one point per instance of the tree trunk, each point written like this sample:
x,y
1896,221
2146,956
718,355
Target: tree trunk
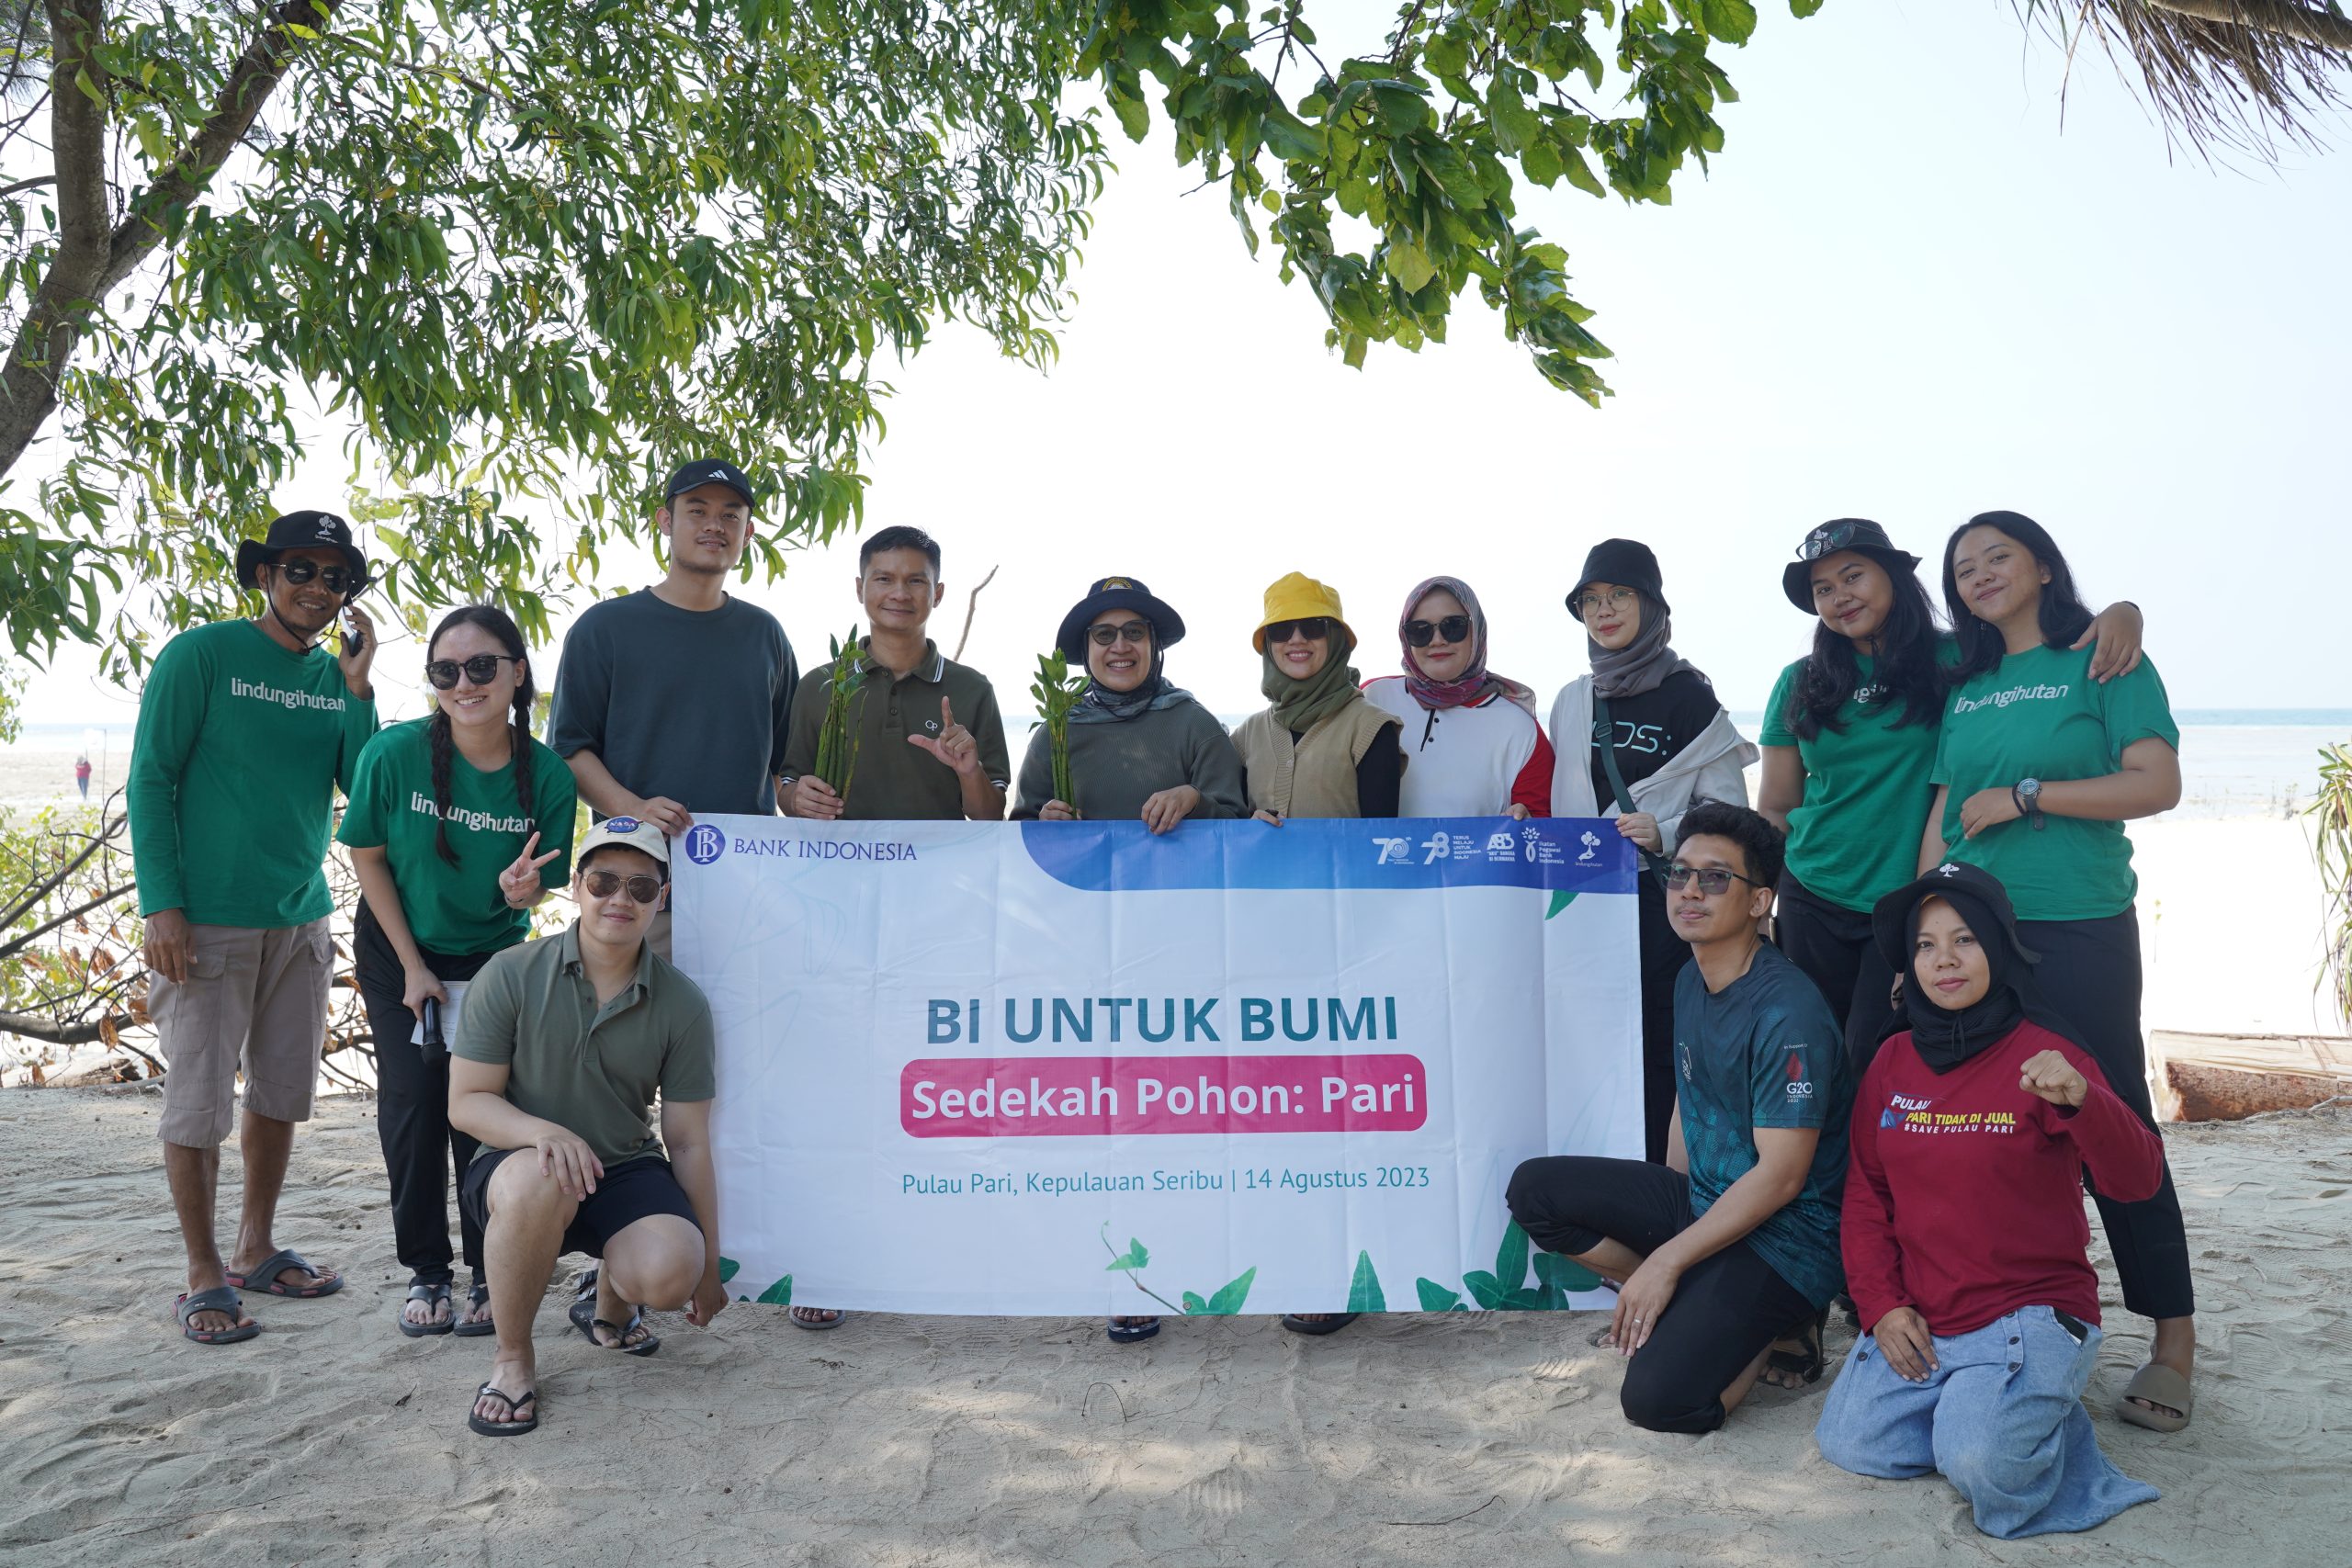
x,y
2287,18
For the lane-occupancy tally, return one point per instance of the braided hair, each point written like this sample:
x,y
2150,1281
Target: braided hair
x,y
500,624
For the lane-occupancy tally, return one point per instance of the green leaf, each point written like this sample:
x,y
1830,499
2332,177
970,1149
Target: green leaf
x,y
1734,21
1511,1257
1436,1297
1134,1258
728,1268
1364,1292
1565,1274
1484,1290
1541,164
778,1295
1561,900
1410,265
1134,116
1194,1304
1229,1299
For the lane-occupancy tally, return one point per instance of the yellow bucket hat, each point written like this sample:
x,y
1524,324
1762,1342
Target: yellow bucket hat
x,y
1293,598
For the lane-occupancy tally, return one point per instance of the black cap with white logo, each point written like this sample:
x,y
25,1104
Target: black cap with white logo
x,y
303,531
709,471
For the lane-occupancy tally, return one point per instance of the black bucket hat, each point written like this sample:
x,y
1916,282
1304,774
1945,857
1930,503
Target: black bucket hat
x,y
1971,889
1118,593
1626,563
1858,535
302,530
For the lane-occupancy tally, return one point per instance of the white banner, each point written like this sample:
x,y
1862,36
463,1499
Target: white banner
x,y
1072,1068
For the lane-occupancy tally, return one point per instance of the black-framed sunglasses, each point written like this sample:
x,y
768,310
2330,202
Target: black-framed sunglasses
x,y
1314,628
1137,632
1453,628
642,888
1713,879
338,578
1827,540
481,670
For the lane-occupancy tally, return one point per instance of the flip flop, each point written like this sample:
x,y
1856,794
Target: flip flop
x,y
509,1429
1806,1364
584,1318
262,1278
1330,1325
819,1324
475,1299
1134,1331
2159,1384
439,1295
221,1298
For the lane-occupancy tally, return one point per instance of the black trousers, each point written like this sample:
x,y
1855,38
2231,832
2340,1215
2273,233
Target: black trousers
x,y
1832,944
412,1106
1727,1308
1663,956
2089,974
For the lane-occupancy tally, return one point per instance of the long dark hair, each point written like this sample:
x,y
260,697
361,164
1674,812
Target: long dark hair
x,y
500,624
1907,669
2064,615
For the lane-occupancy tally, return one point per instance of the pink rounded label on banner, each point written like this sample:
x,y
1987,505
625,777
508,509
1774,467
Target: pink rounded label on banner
x,y
1007,1097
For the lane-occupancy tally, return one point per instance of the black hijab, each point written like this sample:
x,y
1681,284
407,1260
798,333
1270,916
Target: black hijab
x,y
1945,1037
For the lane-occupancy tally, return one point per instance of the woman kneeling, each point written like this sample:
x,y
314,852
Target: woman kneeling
x,y
1963,1234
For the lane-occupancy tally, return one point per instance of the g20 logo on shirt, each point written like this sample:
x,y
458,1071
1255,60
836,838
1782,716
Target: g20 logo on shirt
x,y
1800,1085
704,843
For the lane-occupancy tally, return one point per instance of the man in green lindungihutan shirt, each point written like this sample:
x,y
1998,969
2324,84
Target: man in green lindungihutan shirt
x,y
245,730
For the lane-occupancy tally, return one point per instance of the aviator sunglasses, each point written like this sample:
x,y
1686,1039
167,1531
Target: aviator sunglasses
x,y
1453,628
482,669
642,889
1314,628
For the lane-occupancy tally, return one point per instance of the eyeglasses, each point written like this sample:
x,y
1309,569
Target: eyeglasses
x,y
298,571
1453,628
481,670
1314,628
1137,632
642,889
1827,539
1615,599
1713,879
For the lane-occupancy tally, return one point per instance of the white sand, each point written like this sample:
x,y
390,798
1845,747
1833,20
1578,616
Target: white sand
x,y
947,1442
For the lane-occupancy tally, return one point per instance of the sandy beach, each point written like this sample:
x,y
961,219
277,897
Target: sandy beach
x,y
947,1441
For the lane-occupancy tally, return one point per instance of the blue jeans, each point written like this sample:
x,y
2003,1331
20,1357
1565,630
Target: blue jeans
x,y
2001,1417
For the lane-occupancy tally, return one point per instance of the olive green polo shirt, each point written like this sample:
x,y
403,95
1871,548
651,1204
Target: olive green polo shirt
x,y
893,781
592,1070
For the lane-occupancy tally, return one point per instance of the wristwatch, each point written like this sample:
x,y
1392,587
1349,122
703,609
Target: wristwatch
x,y
2026,795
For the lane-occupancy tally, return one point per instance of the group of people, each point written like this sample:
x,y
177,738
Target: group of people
x,y
1889,1016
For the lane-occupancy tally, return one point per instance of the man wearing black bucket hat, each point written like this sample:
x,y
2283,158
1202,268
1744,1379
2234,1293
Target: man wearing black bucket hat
x,y
245,730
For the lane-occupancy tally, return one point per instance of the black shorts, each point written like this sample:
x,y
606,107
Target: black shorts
x,y
625,1194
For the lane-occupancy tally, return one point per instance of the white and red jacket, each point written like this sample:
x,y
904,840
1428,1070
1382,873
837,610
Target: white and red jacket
x,y
1473,761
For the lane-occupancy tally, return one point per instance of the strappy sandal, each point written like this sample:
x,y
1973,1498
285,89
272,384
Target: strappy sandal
x,y
1805,1365
437,1295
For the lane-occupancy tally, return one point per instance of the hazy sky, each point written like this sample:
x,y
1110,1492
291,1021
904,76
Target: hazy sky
x,y
1905,291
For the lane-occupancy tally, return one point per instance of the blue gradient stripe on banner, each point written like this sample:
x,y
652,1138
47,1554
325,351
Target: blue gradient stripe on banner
x,y
1566,854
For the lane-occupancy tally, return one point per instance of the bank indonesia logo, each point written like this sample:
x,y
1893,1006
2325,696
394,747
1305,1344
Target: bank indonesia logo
x,y
704,843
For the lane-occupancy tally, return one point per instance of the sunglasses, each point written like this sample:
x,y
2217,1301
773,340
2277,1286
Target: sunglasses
x,y
1314,628
1453,628
642,889
481,670
1137,632
1827,539
1713,880
298,571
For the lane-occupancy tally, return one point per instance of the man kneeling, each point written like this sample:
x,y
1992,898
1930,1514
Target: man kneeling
x,y
561,1043
1734,1241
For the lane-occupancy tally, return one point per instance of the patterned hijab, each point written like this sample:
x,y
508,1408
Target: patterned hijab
x,y
1475,680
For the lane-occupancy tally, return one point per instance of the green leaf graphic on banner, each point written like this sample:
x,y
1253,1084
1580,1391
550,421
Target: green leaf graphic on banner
x,y
1229,1299
1561,900
1525,1301
1511,1258
1364,1294
1565,1274
1194,1304
778,1295
1484,1290
1437,1298
1135,1257
728,1268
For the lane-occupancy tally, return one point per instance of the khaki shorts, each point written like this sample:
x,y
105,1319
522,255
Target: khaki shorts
x,y
253,998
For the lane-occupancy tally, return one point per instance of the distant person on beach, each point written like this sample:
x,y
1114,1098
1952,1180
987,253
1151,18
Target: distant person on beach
x,y
82,776
674,699
929,738
1964,1242
2037,769
457,824
562,1045
1849,739
1733,1242
1140,747
1472,745
245,730
1640,739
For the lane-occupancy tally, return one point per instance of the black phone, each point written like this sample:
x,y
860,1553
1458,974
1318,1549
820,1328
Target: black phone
x,y
433,1045
353,640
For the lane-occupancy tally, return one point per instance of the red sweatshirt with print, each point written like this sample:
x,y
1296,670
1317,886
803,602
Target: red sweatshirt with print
x,y
1963,1192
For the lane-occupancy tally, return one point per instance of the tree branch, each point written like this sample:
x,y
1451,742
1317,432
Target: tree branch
x,y
2284,18
17,943
36,1026
971,608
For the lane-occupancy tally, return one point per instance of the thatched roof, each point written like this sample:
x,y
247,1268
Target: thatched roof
x,y
2239,73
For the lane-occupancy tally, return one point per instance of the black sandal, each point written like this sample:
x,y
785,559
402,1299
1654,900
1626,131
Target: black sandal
x,y
511,1428
1803,1365
439,1296
476,1299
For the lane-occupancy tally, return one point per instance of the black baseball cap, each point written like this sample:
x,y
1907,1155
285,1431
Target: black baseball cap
x,y
302,530
1856,533
709,471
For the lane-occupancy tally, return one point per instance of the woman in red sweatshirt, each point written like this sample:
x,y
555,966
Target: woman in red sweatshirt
x,y
1966,1250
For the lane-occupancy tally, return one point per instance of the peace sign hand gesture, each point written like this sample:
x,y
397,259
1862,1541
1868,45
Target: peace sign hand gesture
x,y
956,747
521,882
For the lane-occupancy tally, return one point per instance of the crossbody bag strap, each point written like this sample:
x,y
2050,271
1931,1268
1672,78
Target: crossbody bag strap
x,y
1654,862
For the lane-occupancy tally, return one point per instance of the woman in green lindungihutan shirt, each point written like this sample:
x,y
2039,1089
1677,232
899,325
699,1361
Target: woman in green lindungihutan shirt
x,y
1849,740
2038,768
458,825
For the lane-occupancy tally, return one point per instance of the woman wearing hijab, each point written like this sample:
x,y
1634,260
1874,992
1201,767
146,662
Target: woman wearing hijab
x,y
1138,746
1320,749
1641,738
1472,745
1963,1236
